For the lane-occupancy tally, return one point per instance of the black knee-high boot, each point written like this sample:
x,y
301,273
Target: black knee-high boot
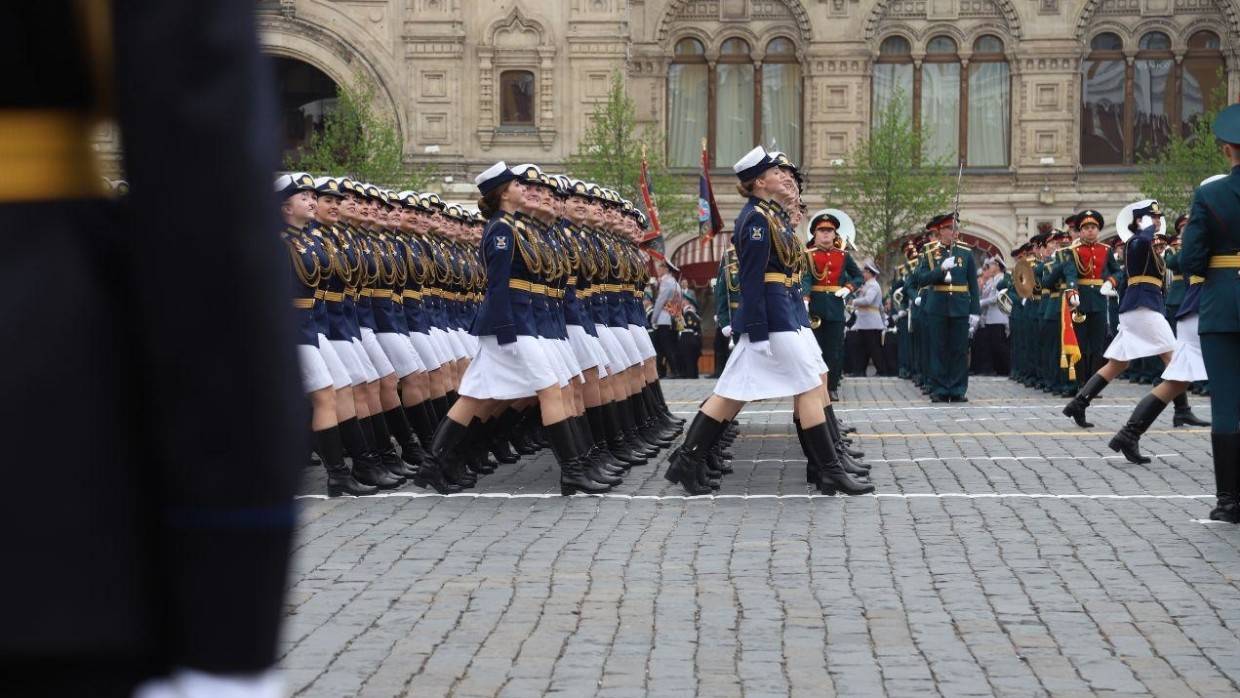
x,y
367,467
687,462
658,391
387,452
1128,440
598,433
834,424
832,477
616,442
1226,449
573,477
398,424
340,478
632,441
444,450
1183,415
501,434
593,467
1076,408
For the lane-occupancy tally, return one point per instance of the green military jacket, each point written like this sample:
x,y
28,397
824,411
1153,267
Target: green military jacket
x,y
1054,280
824,304
1176,287
961,297
1210,249
1078,261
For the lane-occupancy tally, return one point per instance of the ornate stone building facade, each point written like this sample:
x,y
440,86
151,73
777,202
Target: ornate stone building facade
x,y
1048,102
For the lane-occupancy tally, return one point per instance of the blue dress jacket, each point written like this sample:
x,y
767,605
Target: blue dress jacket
x,y
506,312
308,269
767,304
1213,230
1145,273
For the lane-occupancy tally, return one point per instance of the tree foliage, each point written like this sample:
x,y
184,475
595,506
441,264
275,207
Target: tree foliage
x,y
1172,175
360,141
887,184
610,155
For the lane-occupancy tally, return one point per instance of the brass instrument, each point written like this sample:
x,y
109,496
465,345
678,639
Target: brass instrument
x,y
1005,303
815,321
897,296
1077,317
1022,278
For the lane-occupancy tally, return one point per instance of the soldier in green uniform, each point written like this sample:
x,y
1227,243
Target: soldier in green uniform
x,y
1211,248
949,273
832,275
727,298
1043,337
900,305
920,335
1054,279
1091,273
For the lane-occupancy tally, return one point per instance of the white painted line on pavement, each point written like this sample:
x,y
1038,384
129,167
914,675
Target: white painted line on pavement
x,y
705,497
969,458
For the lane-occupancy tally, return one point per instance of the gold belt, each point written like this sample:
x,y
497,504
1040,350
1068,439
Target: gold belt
x,y
1151,280
333,297
319,293
303,303
1225,261
825,289
1193,279
396,297
415,295
521,285
1089,282
948,288
734,305
774,278
875,308
47,155
1056,294
554,293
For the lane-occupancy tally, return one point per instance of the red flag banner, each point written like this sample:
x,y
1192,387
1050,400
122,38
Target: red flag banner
x,y
710,223
1070,349
643,183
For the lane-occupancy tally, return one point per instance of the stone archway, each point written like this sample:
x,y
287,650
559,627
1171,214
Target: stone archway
x,y
305,94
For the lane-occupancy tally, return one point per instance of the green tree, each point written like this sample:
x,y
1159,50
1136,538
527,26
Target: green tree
x,y
887,184
610,155
1172,175
359,141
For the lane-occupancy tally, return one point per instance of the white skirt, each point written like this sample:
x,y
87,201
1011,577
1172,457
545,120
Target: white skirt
x,y
642,339
1186,363
562,360
812,350
370,344
427,350
400,352
1142,332
499,374
442,345
352,364
751,375
584,349
624,338
617,361
459,350
314,373
368,366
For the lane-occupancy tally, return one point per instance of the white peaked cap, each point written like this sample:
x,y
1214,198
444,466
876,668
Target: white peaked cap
x,y
491,173
750,159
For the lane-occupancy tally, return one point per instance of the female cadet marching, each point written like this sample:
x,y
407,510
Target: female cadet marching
x,y
511,362
1185,367
322,374
833,275
1143,328
770,360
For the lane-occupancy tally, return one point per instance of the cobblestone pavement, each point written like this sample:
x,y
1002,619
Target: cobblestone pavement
x,y
1008,553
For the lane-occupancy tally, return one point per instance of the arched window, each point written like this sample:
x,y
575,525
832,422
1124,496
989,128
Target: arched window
x,y
734,103
1103,106
734,108
940,101
1129,112
1202,78
958,119
688,94
781,97
988,123
516,98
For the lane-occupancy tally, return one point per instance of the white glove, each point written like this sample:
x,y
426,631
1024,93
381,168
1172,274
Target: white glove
x,y
901,314
510,348
1108,289
949,263
726,330
186,683
1024,301
1145,222
763,348
917,301
974,319
1074,300
842,293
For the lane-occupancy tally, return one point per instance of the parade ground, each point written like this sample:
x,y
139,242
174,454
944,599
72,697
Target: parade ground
x,y
1007,552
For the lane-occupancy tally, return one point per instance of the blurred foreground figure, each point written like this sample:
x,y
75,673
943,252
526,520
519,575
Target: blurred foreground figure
x,y
153,456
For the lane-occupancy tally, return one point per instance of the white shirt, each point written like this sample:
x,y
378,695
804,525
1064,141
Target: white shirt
x,y
991,314
668,290
867,306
